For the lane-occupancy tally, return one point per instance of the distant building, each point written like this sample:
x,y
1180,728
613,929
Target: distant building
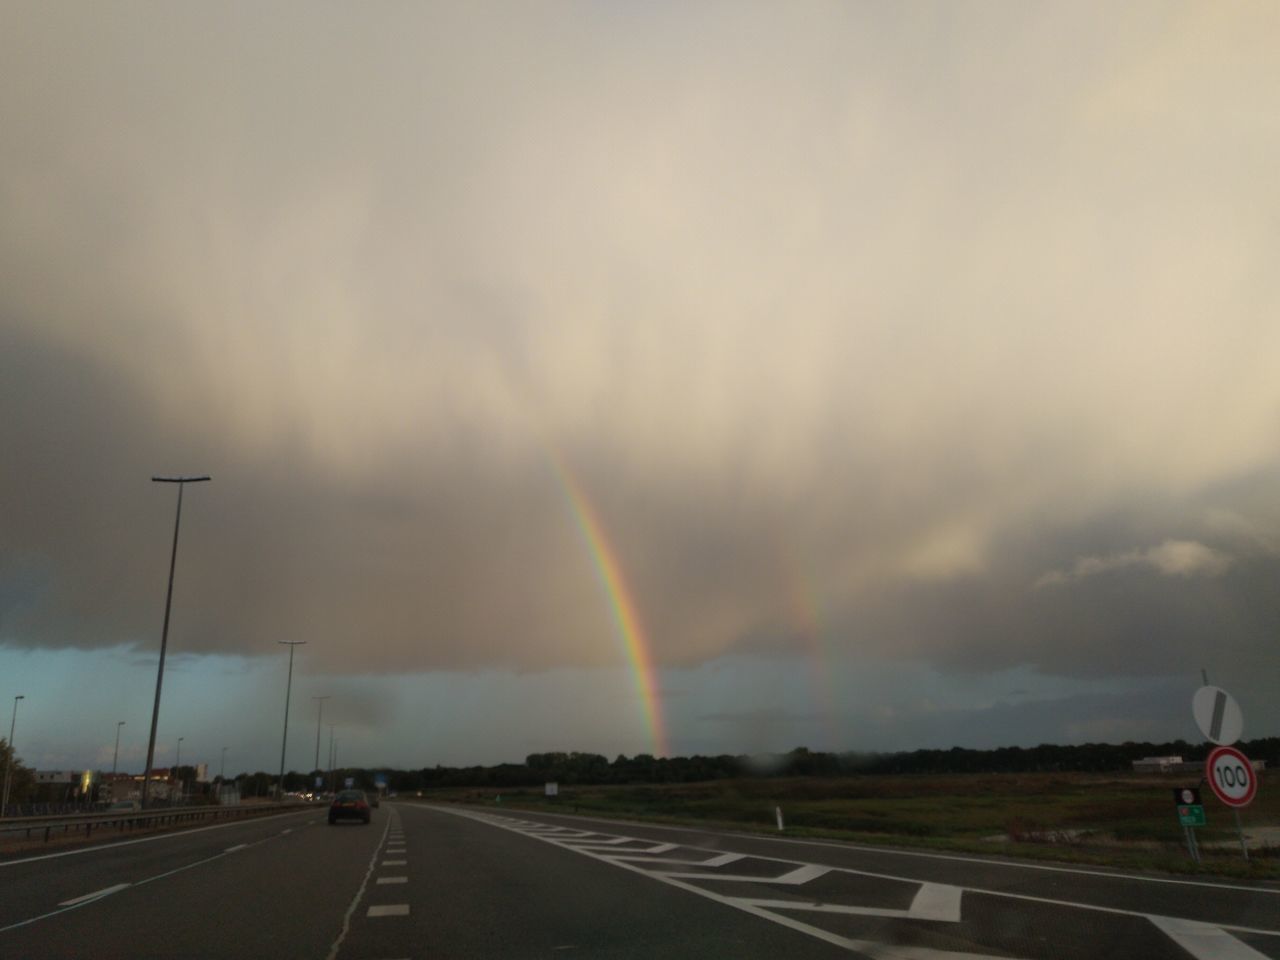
x,y
62,786
128,786
1178,765
1157,765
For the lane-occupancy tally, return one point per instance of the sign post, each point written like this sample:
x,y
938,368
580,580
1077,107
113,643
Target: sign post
x,y
1232,778
1190,816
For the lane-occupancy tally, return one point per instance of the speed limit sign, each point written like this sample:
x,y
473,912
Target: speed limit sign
x,y
1231,776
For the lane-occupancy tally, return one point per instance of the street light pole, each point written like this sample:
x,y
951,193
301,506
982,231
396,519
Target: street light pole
x,y
177,768
331,783
116,755
284,742
8,760
164,633
319,715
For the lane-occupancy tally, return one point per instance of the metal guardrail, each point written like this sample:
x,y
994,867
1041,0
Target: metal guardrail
x,y
123,821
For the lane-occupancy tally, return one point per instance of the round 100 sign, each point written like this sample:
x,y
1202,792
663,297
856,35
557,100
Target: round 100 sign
x,y
1231,776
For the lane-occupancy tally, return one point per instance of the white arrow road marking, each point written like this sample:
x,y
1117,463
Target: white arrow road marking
x,y
104,892
1205,941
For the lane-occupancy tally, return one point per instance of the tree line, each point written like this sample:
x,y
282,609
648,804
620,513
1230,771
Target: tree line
x,y
592,768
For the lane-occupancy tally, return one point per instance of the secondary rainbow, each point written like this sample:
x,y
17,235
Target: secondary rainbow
x,y
620,600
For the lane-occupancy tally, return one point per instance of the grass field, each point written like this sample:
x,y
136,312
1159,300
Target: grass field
x,y
1116,819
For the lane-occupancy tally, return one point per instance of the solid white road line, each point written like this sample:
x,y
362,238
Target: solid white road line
x,y
238,846
1204,941
389,910
97,894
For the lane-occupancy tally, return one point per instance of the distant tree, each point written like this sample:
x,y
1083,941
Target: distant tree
x,y
22,781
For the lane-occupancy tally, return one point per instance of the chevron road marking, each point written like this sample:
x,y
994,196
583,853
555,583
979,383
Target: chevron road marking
x,y
933,901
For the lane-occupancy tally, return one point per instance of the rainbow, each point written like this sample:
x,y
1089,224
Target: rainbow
x,y
807,611
621,601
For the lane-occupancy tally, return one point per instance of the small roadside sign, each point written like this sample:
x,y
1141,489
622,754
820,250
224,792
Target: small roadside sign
x,y
552,789
1191,815
1231,776
1182,796
1217,715
349,782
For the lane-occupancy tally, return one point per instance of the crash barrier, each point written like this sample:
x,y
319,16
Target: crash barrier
x,y
122,821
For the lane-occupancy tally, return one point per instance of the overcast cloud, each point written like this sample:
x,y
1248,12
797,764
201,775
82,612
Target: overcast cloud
x,y
958,320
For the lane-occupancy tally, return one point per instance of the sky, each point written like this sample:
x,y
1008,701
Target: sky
x,y
636,378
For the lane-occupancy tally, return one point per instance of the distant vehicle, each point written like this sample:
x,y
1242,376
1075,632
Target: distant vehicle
x,y
349,804
373,798
124,805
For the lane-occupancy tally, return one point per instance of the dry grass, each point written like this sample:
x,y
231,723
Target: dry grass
x,y
1108,819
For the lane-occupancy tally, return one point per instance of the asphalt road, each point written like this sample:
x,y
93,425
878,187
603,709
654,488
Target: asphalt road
x,y
429,882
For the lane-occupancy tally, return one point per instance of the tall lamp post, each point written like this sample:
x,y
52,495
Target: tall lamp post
x,y
284,742
164,634
8,760
320,703
116,755
177,767
332,757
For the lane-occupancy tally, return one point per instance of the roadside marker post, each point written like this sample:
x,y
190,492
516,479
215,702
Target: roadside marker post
x,y
778,812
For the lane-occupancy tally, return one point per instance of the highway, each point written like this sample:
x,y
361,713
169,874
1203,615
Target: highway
x,y
430,881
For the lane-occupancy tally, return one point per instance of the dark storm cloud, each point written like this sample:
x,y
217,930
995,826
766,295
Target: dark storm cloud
x,y
976,368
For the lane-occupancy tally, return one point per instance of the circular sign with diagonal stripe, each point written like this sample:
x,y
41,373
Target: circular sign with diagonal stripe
x,y
1217,715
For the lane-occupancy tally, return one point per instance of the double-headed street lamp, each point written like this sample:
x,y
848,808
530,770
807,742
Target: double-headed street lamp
x,y
164,634
9,757
288,688
116,755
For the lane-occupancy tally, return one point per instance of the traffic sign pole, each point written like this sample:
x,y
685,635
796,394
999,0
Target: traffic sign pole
x,y
1232,778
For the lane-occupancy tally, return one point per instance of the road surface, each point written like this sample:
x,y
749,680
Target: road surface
x,y
442,882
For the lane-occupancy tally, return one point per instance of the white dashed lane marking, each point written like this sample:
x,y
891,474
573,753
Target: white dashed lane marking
x,y
395,863
389,910
393,880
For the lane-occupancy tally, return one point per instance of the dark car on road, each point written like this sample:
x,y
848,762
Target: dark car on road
x,y
349,804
